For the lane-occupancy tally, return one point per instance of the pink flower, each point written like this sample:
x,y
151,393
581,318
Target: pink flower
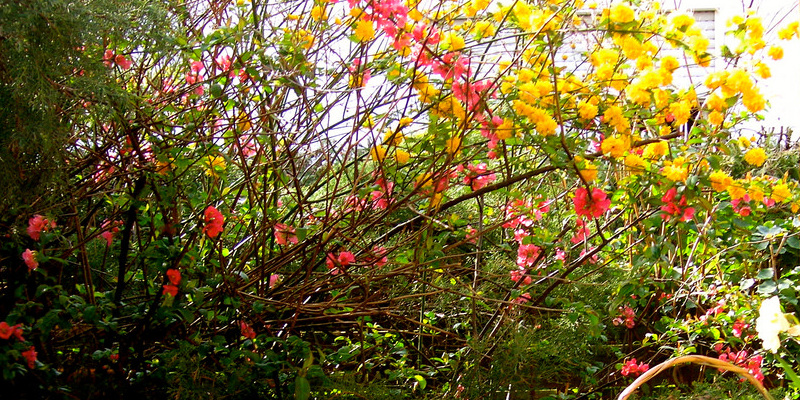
x,y
214,221
111,229
273,279
285,234
30,357
171,290
174,276
30,259
38,224
591,206
247,331
521,273
527,254
738,327
561,255
628,317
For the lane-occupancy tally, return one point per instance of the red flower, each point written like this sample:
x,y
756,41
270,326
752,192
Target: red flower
x,y
336,264
30,259
6,330
527,254
214,221
247,331
285,234
110,228
38,224
171,290
593,206
679,209
123,62
631,368
30,356
174,276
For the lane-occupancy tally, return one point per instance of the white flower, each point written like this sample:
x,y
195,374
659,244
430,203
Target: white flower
x,y
770,323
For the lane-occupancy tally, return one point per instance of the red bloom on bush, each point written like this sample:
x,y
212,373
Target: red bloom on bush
x,y
676,209
594,205
214,221
336,263
111,228
632,368
174,276
171,290
38,224
527,254
247,331
30,259
285,234
30,356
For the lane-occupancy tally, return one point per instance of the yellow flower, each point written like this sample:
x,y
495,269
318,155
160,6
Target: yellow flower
x,y
716,118
753,100
763,70
716,103
775,52
720,181
402,156
670,63
453,41
318,13
615,146
755,156
781,193
744,142
756,193
675,173
682,111
364,30
453,145
635,163
378,153
682,21
588,172
392,137
789,31
214,165
621,13
587,110
505,130
656,150
736,190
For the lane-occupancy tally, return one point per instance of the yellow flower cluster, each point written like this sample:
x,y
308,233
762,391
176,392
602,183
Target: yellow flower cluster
x,y
613,116
755,156
720,181
544,123
615,146
736,82
364,30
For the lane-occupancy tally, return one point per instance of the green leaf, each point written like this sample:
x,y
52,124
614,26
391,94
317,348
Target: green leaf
x,y
302,389
765,273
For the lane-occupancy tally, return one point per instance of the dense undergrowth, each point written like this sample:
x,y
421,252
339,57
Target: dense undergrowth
x,y
389,200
